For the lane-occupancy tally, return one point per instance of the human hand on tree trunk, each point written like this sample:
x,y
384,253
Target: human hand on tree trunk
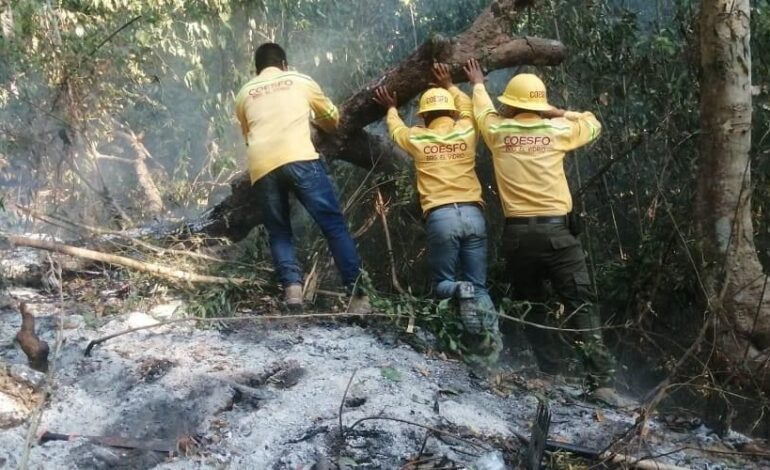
x,y
442,75
384,98
474,72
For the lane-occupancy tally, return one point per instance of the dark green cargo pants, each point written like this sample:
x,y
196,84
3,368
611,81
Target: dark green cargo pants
x,y
539,252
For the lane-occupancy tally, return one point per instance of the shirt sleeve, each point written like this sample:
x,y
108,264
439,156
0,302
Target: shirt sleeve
x,y
240,113
463,103
397,129
484,110
584,129
325,114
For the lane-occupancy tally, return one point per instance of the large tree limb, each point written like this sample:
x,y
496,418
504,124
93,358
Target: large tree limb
x,y
413,75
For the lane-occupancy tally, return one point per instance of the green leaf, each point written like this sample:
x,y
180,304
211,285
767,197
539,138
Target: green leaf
x,y
345,462
391,374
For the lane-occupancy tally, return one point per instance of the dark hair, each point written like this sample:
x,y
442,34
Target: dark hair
x,y
269,54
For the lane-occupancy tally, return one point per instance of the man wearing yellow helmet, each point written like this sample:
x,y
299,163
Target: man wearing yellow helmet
x,y
529,139
444,153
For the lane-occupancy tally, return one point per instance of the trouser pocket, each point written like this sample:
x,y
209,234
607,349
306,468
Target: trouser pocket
x,y
574,223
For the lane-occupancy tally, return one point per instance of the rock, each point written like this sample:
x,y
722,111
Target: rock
x,y
139,319
166,310
27,376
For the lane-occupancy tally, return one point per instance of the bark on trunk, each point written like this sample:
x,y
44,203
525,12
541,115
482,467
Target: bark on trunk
x,y
487,39
152,197
733,275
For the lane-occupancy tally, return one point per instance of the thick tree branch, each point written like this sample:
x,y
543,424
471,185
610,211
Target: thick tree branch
x,y
412,76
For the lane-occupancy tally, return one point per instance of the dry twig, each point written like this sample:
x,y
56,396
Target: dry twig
x,y
344,396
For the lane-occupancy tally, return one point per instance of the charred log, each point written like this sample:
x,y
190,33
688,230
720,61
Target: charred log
x,y
35,348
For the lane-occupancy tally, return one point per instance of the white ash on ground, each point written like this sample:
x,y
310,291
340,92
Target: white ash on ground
x,y
267,395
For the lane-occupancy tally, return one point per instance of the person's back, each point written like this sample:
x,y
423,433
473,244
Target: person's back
x,y
275,110
528,151
444,155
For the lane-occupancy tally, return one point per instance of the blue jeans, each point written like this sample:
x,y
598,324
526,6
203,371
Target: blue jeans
x,y
310,184
457,241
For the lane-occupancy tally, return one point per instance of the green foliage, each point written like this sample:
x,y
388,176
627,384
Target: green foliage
x,y
391,374
217,301
439,317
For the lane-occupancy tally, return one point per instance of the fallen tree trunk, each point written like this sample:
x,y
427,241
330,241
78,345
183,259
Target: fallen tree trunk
x,y
487,39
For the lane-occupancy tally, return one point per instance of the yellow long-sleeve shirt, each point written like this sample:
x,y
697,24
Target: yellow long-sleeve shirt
x,y
274,110
528,153
444,154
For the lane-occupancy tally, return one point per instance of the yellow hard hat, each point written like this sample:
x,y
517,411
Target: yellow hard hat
x,y
436,99
526,91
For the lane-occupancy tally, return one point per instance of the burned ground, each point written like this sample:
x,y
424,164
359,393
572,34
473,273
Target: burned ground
x,y
268,395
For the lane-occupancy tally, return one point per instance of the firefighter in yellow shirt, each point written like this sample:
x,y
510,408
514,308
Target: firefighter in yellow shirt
x,y
275,110
444,154
529,139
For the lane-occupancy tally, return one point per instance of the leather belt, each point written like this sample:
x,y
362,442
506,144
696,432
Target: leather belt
x,y
451,204
540,219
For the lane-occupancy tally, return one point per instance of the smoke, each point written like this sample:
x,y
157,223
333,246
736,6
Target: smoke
x,y
170,78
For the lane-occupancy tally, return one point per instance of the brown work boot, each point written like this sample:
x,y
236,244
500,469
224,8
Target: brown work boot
x,y
610,396
359,303
293,294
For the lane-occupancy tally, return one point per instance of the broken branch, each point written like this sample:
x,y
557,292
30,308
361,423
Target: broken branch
x,y
344,396
151,268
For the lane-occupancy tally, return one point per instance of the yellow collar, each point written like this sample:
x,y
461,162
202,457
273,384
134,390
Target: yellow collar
x,y
527,116
270,71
